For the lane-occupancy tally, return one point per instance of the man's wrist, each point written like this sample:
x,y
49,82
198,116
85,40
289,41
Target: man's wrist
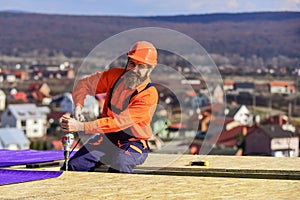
x,y
81,126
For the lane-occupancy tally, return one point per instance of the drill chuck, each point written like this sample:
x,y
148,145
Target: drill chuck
x,y
67,141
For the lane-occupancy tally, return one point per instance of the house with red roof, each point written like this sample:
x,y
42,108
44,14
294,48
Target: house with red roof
x,y
19,96
20,75
228,85
40,92
281,87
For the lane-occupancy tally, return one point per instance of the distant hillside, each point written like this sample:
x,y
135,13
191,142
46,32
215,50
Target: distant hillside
x,y
263,35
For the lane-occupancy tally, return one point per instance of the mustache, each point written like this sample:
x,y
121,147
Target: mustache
x,y
132,74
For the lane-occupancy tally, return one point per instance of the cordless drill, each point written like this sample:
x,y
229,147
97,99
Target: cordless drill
x,y
67,141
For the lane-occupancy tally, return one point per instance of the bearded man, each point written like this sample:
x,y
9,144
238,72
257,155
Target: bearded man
x,y
122,132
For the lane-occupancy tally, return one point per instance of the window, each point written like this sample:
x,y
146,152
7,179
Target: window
x,y
284,153
23,123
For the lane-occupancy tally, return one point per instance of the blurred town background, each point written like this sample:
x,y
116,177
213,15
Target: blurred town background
x,y
257,54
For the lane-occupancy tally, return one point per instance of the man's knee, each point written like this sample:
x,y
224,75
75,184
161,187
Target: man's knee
x,y
82,163
125,162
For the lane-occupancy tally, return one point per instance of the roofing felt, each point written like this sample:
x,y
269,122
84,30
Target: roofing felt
x,y
27,156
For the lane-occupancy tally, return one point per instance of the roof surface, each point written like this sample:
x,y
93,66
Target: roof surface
x,y
25,111
275,131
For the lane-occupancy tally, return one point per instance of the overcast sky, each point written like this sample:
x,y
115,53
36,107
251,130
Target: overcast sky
x,y
148,7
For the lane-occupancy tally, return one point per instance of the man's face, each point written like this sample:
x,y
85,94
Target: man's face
x,y
136,73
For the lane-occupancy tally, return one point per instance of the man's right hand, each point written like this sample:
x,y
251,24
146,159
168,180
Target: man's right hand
x,y
78,113
69,124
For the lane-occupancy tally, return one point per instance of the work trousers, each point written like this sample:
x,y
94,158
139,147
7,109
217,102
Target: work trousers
x,y
120,156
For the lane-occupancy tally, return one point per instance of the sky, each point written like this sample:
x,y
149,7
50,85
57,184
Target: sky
x,y
147,7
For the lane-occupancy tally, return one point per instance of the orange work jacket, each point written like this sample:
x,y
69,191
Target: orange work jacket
x,y
128,111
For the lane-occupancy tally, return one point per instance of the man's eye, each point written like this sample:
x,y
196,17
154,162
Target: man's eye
x,y
142,66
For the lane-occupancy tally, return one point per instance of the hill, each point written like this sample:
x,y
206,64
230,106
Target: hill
x,y
263,36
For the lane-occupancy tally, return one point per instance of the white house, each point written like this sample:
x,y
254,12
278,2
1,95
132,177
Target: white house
x,y
13,139
2,100
26,117
10,78
239,113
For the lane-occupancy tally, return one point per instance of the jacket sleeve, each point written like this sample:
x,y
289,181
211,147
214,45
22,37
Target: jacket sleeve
x,y
90,85
138,114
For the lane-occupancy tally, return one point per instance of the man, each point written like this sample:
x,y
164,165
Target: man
x,y
122,132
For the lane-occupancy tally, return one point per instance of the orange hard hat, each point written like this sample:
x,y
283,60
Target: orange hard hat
x,y
144,52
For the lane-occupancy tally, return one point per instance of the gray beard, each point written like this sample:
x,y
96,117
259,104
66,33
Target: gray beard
x,y
132,80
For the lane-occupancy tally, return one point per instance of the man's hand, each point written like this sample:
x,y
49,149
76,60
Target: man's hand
x,y
78,113
69,124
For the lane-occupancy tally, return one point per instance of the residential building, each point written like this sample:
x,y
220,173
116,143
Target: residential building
x,y
281,87
239,113
244,87
40,92
2,100
63,103
13,139
228,86
20,75
26,117
282,120
272,140
17,96
10,78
